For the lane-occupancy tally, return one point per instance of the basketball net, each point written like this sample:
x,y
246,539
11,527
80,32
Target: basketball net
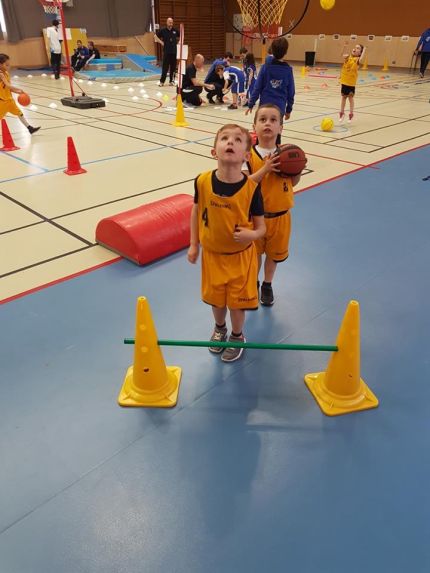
x,y
261,14
51,6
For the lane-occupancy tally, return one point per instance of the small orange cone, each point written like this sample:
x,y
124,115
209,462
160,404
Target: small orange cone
x,y
340,390
8,142
73,163
149,382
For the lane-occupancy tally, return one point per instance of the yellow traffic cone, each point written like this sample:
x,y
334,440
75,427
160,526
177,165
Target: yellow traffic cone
x,y
303,72
180,116
385,68
149,382
364,66
340,390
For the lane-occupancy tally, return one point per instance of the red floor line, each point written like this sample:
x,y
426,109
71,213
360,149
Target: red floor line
x,y
57,281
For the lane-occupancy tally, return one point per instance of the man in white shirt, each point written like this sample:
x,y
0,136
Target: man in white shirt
x,y
55,47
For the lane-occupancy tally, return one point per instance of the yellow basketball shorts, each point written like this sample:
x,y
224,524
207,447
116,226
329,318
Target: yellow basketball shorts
x,y
277,238
230,280
9,106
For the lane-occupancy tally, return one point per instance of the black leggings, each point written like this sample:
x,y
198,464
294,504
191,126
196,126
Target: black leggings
x,y
56,64
169,65
425,58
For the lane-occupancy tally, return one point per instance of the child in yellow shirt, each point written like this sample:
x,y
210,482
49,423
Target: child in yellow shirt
x,y
278,196
226,219
348,79
7,103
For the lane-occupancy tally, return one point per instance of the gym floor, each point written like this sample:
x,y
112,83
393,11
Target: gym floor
x,y
246,473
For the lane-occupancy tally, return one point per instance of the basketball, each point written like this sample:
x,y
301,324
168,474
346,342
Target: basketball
x,y
292,160
327,4
24,99
327,124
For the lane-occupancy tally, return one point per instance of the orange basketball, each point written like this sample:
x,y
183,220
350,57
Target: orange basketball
x,y
24,99
292,160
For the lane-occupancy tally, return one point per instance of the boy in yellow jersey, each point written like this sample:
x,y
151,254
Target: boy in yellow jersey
x,y
348,79
278,196
7,103
226,219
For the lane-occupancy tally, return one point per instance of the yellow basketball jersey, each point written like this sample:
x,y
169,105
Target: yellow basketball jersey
x,y
277,191
5,93
219,216
349,73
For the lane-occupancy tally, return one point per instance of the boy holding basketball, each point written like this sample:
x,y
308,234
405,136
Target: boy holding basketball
x,y
226,219
278,196
348,79
7,103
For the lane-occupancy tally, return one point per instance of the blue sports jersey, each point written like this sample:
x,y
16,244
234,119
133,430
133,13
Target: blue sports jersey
x,y
275,84
237,76
425,41
215,63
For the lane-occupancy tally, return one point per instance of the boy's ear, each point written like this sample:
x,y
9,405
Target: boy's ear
x,y
247,156
213,153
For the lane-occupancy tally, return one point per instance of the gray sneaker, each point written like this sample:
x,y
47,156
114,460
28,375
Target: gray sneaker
x,y
232,354
218,335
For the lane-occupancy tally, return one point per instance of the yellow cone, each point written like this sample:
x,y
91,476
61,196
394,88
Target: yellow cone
x,y
303,72
149,382
180,116
364,66
340,390
385,68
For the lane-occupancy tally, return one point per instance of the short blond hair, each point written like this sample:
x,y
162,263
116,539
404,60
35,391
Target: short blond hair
x,y
243,130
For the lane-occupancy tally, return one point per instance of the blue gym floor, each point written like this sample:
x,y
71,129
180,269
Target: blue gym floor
x,y
245,474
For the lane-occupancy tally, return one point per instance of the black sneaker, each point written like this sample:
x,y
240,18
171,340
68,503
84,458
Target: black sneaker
x,y
32,129
266,295
232,106
210,100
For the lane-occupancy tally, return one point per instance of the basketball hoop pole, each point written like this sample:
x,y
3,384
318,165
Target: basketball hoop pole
x,y
66,47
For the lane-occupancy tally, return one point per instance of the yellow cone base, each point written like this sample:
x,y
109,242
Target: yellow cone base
x,y
335,404
385,68
164,397
180,116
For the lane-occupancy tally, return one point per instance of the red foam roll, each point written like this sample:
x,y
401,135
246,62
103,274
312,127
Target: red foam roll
x,y
149,232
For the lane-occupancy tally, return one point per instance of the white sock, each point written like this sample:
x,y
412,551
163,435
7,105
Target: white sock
x,y
23,121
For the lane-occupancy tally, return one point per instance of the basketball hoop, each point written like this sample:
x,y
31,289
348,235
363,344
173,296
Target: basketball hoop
x,y
263,17
262,14
52,6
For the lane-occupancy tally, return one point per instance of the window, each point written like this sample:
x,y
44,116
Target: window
x,y
2,22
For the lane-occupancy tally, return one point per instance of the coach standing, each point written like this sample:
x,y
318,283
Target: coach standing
x,y
168,37
55,47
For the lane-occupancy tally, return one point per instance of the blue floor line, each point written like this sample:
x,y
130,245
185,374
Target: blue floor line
x,y
45,171
9,154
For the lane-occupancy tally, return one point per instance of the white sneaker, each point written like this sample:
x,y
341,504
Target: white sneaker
x,y
341,117
350,118
160,85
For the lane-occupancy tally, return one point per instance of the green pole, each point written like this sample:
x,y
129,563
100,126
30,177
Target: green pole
x,y
207,343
